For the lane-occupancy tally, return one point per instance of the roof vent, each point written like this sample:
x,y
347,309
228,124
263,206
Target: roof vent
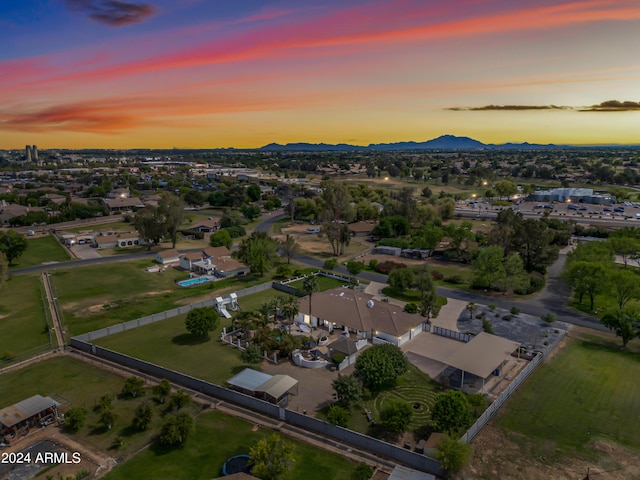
x,y
370,304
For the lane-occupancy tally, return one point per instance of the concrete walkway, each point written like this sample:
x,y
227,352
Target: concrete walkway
x,y
449,314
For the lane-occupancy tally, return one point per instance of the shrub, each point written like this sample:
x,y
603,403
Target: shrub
x,y
411,308
252,354
237,231
549,318
362,472
388,266
456,279
507,318
372,263
338,416
337,358
486,326
515,311
436,275
492,306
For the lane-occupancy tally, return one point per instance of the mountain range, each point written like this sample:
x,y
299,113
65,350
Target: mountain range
x,y
444,142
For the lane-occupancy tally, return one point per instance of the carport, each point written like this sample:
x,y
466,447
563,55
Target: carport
x,y
272,388
483,355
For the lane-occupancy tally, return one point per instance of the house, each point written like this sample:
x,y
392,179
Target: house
x,y
346,347
130,239
230,267
106,241
358,312
167,257
385,250
11,210
53,198
206,226
112,239
122,204
188,260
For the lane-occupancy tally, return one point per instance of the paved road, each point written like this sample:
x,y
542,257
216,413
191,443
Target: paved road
x,y
552,299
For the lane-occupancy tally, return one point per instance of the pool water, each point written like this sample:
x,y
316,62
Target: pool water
x,y
194,281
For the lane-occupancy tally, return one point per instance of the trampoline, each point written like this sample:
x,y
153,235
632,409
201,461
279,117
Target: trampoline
x,y
237,464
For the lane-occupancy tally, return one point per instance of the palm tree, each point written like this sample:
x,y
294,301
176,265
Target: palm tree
x,y
309,287
290,309
472,307
275,303
263,313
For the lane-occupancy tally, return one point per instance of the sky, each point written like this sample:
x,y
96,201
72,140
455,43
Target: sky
x,y
245,73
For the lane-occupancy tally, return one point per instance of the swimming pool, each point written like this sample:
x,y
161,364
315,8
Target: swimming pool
x,y
194,281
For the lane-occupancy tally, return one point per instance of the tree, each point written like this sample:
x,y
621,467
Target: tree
x,y
171,208
625,247
289,247
75,418
253,192
451,412
348,390
591,252
290,308
179,400
395,415
355,267
532,239
133,387
472,307
194,197
150,224
586,278
624,286
330,264
401,279
271,458
622,322
335,211
505,188
142,417
162,390
175,428
250,212
379,365
105,403
200,321
309,287
221,238
446,208
488,267
259,251
453,454
107,419
336,415
12,245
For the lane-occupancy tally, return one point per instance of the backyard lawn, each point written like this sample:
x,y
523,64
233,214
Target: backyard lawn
x,y
587,393
41,250
168,343
216,438
125,291
22,318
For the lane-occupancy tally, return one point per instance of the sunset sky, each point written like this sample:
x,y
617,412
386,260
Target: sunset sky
x,y
244,73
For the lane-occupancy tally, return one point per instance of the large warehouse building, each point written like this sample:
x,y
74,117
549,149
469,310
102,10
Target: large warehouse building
x,y
574,195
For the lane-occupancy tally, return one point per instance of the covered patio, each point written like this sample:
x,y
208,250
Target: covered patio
x,y
272,388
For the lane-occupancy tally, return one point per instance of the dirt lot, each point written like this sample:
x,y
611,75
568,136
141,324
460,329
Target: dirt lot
x,y
497,456
317,244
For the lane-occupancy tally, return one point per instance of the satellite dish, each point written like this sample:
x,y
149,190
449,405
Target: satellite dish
x,y
342,294
370,304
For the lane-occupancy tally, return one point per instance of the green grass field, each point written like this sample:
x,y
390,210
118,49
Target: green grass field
x,y
98,296
74,383
41,250
168,343
216,438
588,392
22,318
